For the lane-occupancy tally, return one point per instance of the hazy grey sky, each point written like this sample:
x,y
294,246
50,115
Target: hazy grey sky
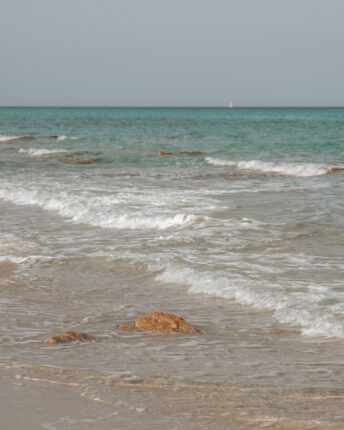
x,y
172,52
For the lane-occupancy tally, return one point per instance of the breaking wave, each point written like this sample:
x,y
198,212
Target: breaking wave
x,y
5,138
283,169
291,307
96,211
64,137
34,152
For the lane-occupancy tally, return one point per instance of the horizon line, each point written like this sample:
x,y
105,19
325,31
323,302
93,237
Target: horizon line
x,y
173,107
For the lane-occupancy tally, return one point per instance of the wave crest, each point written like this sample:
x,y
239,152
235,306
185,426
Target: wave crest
x,y
282,169
34,152
293,308
4,138
96,211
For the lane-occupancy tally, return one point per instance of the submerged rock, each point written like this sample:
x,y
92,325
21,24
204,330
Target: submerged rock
x,y
70,336
165,153
77,161
161,322
195,153
335,169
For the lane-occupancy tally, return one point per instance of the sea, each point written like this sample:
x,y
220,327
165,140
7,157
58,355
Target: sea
x,y
232,219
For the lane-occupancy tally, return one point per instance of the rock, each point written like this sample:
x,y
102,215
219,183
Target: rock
x,y
78,161
127,326
335,169
161,322
69,336
165,153
194,153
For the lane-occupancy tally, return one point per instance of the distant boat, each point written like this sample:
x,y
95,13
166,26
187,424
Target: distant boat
x,y
230,104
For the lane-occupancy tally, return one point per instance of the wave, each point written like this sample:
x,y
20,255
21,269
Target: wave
x,y
95,211
4,138
154,222
283,169
29,259
63,137
34,152
289,306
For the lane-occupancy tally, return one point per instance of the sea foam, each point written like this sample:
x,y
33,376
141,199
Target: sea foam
x,y
288,305
5,138
283,169
96,211
64,137
35,152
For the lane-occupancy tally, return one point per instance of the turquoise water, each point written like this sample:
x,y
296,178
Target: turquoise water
x,y
219,170
231,218
269,134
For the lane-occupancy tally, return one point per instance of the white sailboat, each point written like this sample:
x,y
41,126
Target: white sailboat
x,y
231,104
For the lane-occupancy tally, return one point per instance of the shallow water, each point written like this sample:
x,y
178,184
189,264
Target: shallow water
x,y
239,229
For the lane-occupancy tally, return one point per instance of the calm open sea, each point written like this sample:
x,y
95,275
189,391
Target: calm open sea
x,y
238,226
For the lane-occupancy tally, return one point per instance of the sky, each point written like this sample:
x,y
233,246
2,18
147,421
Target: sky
x,y
171,52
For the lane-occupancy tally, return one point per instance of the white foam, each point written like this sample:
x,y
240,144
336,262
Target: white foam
x,y
35,152
152,222
292,306
17,249
28,259
283,169
97,211
219,162
5,138
63,137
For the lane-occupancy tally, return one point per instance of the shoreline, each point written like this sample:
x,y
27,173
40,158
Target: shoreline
x,y
49,397
252,259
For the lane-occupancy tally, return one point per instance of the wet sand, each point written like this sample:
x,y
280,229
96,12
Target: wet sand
x,y
47,398
241,373
32,405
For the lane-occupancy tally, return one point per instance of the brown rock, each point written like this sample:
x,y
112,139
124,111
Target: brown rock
x,y
335,169
165,153
78,161
163,323
69,336
127,326
195,153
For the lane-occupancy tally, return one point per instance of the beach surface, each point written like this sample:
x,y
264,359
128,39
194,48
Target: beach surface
x,y
229,218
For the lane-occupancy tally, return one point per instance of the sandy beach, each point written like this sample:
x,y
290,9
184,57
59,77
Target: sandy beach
x,y
47,398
